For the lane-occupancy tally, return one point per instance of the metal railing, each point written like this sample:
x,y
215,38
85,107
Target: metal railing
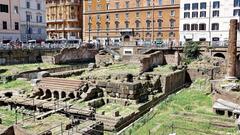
x,y
36,46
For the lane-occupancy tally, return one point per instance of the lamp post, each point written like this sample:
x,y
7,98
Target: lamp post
x,y
89,30
153,6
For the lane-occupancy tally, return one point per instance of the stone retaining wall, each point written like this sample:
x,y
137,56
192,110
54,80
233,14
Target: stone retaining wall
x,y
23,56
173,81
72,55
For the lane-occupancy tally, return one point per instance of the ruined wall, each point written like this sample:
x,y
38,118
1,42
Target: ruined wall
x,y
173,81
23,56
124,90
72,55
151,60
172,58
103,59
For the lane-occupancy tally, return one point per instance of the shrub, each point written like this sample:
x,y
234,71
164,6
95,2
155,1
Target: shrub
x,y
191,51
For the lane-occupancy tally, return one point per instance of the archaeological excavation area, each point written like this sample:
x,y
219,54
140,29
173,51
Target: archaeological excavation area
x,y
112,90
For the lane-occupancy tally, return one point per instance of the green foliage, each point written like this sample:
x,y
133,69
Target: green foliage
x,y
191,51
191,109
17,84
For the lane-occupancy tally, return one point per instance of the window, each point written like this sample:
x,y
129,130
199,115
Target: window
x,y
186,27
194,27
203,5
159,13
126,16
216,4
195,6
116,16
160,22
203,14
148,14
28,17
39,18
215,26
148,2
117,5
4,25
160,2
137,15
215,39
186,14
39,6
4,8
137,3
137,24
172,24
108,6
172,13
194,14
148,24
89,7
236,12
171,34
107,25
28,4
236,3
215,13
16,9
98,26
117,25
186,6
172,2
127,4
202,26
107,17
127,25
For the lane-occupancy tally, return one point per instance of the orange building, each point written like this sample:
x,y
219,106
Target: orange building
x,y
124,20
64,19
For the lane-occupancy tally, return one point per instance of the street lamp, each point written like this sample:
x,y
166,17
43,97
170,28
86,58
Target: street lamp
x,y
153,6
89,30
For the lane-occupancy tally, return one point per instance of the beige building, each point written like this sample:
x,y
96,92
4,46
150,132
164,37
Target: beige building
x,y
9,20
123,20
64,19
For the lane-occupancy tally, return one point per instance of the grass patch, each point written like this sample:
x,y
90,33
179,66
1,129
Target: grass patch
x,y
186,113
113,69
163,70
17,84
54,120
15,69
8,116
109,109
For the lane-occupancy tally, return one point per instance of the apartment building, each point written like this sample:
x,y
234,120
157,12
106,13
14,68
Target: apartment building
x,y
125,20
64,19
207,20
9,20
32,20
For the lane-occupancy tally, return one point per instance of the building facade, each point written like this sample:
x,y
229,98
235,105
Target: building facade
x,y
33,22
9,20
64,19
207,20
124,20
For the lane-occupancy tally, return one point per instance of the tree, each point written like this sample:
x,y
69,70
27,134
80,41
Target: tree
x,y
191,51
